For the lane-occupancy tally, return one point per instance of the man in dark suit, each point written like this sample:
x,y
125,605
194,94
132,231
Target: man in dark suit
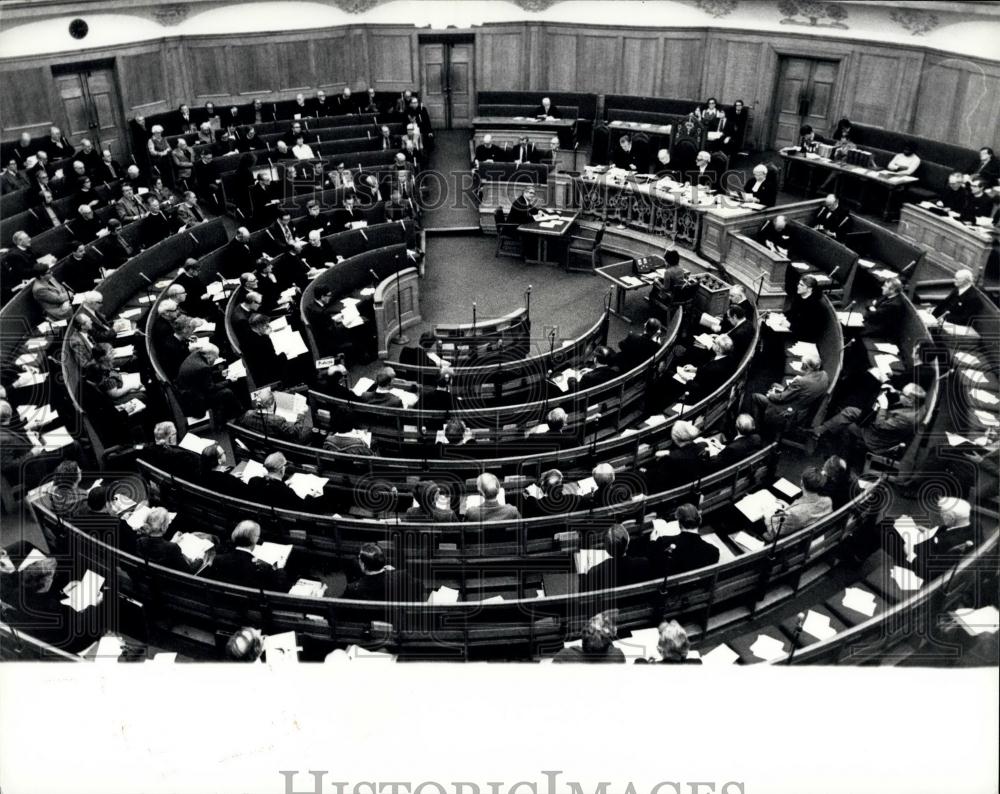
x,y
774,234
963,304
346,215
417,114
369,103
744,443
156,226
216,475
12,179
263,364
88,155
987,168
626,155
488,152
173,349
20,264
345,104
547,110
679,547
311,221
833,218
378,582
238,256
715,369
979,203
738,328
438,398
618,571
683,462
264,199
762,187
164,453
280,235
523,209
107,169
662,168
200,389
884,316
805,314
524,152
56,146
635,348
703,174
382,395
237,565
949,541
272,489
787,406
603,371
886,430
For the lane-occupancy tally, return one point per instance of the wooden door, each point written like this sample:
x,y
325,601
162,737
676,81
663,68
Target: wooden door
x,y
92,107
461,82
448,82
804,96
433,83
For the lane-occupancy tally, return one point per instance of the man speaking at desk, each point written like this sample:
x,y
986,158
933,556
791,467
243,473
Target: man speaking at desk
x,y
523,208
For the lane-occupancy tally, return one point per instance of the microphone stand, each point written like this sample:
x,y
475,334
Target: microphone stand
x,y
400,338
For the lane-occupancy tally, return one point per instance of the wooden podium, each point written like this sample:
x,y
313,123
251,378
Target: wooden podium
x,y
754,264
397,306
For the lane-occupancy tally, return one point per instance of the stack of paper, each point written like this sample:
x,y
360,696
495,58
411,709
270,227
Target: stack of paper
x,y
562,379
133,406
408,398
777,322
138,516
26,379
984,397
307,485
973,375
132,381
851,319
887,347
720,655
308,587
768,648
196,444
746,541
278,324
786,488
252,469
758,505
193,547
986,419
37,343
84,593
713,445
26,359
586,486
288,342
274,554
126,351
31,559
236,370
362,386
586,559
56,439
985,620
968,359
802,349
36,415
362,435
860,601
443,595
281,648
290,406
704,340
905,579
818,626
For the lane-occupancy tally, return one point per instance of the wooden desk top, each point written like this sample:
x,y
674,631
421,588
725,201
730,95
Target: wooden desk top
x,y
521,122
636,126
557,225
874,174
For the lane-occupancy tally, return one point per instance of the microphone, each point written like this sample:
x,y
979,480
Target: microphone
x,y
374,275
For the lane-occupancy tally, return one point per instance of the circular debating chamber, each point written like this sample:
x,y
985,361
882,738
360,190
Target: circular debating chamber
x,y
528,339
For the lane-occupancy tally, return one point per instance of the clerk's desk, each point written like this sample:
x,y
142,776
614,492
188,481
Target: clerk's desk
x,y
510,129
951,244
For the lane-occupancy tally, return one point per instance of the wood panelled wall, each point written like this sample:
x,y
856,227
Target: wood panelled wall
x,y
903,88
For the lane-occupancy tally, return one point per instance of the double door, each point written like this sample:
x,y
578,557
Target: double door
x,y
447,81
92,106
805,94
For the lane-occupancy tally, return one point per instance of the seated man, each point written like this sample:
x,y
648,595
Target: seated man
x,y
237,565
744,443
684,462
810,506
938,553
955,197
673,286
905,163
523,208
556,434
164,453
381,582
963,304
51,296
805,315
489,508
886,430
129,208
883,318
636,348
596,643
620,569
343,437
382,394
706,377
200,387
263,418
271,489
550,498
662,168
978,204
736,325
775,235
604,369
673,646
762,188
626,155
791,405
263,364
680,547
833,218
216,475
85,226
488,152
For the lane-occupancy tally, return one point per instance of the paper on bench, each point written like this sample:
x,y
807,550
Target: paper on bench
x,y
802,349
193,547
818,625
905,579
288,342
983,396
767,648
281,648
860,601
290,406
758,505
84,593
409,398
29,379
32,558
986,418
851,319
252,469
746,541
789,489
363,385
720,655
974,375
985,620
443,595
306,485
36,415
308,587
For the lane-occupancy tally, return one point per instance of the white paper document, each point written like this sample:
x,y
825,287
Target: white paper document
x,y
252,469
906,579
768,648
274,554
83,593
789,489
860,601
443,595
196,444
586,559
193,547
747,541
306,485
720,655
818,625
362,386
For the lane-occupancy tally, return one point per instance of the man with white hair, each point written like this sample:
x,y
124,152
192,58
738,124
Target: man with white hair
x,y
892,425
315,253
20,264
85,226
107,169
950,540
762,187
345,104
682,462
200,386
662,168
488,152
832,218
188,211
271,488
134,178
237,564
963,304
490,508
787,406
56,146
88,155
165,454
547,110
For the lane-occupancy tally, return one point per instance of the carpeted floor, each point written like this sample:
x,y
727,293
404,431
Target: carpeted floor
x,y
448,200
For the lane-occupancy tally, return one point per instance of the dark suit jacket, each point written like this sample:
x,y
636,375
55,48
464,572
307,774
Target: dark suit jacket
x,y
343,216
226,484
961,309
794,402
689,552
382,398
837,221
886,319
741,335
242,568
767,194
598,376
524,154
162,552
519,212
385,586
767,233
173,460
553,111
679,466
238,258
635,349
616,572
805,316
195,380
156,227
172,353
710,376
274,492
492,152
737,450
263,364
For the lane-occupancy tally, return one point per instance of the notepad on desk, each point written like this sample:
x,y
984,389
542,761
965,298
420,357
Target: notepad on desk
x,y
288,342
26,379
308,587
408,398
851,319
281,648
194,443
193,547
36,415
860,601
274,554
758,505
251,469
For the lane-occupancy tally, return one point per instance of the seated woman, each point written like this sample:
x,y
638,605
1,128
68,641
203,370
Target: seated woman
x,y
673,646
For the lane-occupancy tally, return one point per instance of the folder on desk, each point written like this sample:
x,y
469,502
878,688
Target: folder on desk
x,y
196,444
274,554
